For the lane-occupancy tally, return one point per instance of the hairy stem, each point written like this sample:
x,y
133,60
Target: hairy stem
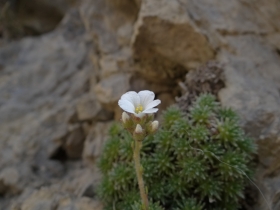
x,y
139,173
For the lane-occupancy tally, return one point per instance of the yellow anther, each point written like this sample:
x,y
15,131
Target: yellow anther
x,y
139,109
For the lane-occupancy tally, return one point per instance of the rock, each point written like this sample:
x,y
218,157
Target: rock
x,y
110,89
9,179
245,37
89,108
248,90
59,90
166,43
51,169
42,80
114,27
41,199
66,194
255,97
138,83
48,199
94,142
87,204
81,204
116,62
56,143
74,143
229,19
25,18
167,100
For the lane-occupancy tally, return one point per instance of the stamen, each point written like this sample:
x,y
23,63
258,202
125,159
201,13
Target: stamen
x,y
139,109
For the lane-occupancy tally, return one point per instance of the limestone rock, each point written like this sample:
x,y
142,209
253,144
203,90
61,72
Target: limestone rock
x,y
110,89
29,18
41,199
88,108
42,79
235,17
167,100
252,76
9,178
116,62
59,90
166,43
74,143
255,96
114,28
50,199
111,23
138,83
87,204
94,142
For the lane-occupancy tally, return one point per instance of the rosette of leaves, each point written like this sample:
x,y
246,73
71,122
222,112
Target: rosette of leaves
x,y
197,160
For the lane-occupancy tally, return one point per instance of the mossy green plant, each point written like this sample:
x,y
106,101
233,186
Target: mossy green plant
x,y
196,160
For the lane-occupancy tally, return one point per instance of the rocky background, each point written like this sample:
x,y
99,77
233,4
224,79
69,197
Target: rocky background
x,y
65,63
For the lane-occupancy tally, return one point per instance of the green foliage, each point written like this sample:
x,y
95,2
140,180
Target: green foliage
x,y
195,161
152,206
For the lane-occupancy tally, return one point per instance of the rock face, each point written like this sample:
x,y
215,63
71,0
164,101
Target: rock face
x,y
31,17
166,43
59,90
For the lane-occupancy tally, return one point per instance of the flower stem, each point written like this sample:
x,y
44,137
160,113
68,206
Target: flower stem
x,y
139,173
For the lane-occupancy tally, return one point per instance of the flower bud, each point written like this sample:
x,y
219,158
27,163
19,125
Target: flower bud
x,y
127,122
125,117
138,129
139,134
154,126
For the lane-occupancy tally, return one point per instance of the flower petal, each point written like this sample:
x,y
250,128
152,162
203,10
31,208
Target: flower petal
x,y
132,97
140,115
126,105
146,97
153,110
152,104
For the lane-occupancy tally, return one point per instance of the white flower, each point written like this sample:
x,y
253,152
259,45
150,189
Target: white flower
x,y
139,103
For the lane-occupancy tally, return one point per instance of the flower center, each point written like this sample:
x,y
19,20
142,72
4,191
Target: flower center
x,y
139,109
